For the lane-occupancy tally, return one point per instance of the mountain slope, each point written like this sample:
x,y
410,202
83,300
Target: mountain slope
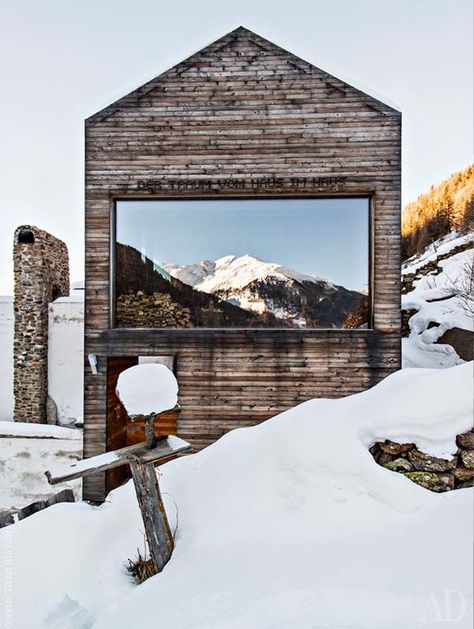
x,y
445,207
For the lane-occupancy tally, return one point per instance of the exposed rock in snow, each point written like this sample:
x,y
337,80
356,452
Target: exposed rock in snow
x,y
461,340
289,524
434,473
437,249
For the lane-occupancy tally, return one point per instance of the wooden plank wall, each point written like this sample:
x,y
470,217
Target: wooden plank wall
x,y
238,110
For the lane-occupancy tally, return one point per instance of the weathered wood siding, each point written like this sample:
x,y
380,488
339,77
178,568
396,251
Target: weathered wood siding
x,y
242,109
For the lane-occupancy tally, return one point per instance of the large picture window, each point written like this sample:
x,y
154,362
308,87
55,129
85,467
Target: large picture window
x,y
242,263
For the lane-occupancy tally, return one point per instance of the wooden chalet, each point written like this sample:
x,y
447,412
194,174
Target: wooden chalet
x,y
240,119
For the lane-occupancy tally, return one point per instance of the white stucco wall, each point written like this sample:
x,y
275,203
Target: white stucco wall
x,y
7,400
65,356
25,460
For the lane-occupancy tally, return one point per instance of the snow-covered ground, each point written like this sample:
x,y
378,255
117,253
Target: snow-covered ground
x,y
27,450
440,247
435,299
289,524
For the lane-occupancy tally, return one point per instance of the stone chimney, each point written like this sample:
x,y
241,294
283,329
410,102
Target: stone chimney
x,y
41,271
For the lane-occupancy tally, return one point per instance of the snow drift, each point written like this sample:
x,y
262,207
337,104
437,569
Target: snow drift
x,y
289,524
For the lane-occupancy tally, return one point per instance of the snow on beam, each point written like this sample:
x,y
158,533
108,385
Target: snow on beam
x,y
165,447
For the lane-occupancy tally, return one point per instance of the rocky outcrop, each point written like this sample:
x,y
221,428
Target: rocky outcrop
x,y
430,472
406,316
461,340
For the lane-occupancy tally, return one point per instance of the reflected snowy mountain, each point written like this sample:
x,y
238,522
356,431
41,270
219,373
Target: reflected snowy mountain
x,y
300,299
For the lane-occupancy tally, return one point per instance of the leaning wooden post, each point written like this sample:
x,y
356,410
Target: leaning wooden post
x,y
147,488
157,529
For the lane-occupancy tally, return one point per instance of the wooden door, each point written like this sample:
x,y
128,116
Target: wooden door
x,y
121,431
117,418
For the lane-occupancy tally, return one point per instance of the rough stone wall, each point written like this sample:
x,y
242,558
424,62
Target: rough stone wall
x,y
428,471
41,272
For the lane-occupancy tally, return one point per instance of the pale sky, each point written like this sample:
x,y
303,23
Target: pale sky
x,y
62,60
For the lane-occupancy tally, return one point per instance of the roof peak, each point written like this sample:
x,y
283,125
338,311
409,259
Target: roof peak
x,y
297,62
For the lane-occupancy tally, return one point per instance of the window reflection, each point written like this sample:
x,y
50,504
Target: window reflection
x,y
253,263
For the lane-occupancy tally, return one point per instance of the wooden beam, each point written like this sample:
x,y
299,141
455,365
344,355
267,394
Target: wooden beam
x,y
157,529
165,447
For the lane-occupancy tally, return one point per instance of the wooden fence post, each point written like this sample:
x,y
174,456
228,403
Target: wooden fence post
x,y
157,529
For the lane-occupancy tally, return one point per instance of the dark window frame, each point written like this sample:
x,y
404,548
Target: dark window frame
x,y
224,197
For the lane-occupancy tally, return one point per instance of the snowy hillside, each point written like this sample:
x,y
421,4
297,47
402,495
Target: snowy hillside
x,y
289,524
439,296
262,287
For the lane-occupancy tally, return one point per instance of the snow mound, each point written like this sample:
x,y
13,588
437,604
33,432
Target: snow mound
x,y
147,388
290,524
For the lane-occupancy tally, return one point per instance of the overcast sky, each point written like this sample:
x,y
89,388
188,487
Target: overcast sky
x,y
62,60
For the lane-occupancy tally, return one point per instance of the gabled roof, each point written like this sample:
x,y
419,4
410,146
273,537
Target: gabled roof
x,y
300,65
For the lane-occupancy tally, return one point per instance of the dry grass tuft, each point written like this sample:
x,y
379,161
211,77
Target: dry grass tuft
x,y
141,568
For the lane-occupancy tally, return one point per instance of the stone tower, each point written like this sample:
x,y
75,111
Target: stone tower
x,y
41,271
